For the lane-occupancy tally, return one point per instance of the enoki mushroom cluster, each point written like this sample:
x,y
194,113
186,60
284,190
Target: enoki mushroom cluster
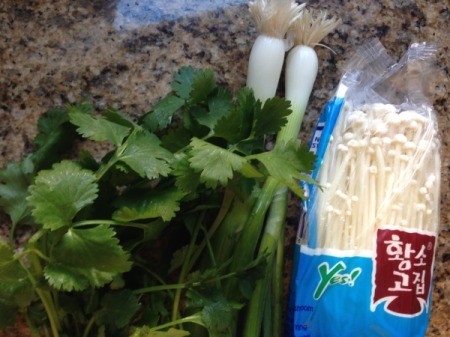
x,y
381,168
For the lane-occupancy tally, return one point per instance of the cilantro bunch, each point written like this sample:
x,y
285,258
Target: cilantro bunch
x,y
142,242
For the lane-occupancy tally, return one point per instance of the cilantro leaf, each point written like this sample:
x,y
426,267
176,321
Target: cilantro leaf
x,y
192,123
187,179
87,161
203,84
115,116
145,156
271,117
55,136
251,146
17,292
82,106
86,257
215,163
154,310
162,112
217,317
148,204
221,102
182,84
194,85
251,120
218,106
301,156
10,268
216,311
154,229
118,309
286,162
249,275
64,277
14,182
15,288
178,258
97,128
145,331
236,125
47,124
57,195
176,139
8,314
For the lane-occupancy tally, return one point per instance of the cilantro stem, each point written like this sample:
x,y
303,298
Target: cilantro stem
x,y
109,222
36,236
90,305
113,160
105,167
160,288
45,296
224,208
46,301
186,264
34,251
210,249
181,285
51,311
89,326
189,319
11,234
152,273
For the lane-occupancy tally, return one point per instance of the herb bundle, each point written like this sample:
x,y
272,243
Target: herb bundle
x,y
141,242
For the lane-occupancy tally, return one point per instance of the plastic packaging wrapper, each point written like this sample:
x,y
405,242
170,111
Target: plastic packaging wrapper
x,y
366,242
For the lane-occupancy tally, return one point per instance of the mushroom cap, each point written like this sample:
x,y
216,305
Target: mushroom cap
x,y
410,146
375,141
392,118
387,140
348,136
400,138
411,115
379,127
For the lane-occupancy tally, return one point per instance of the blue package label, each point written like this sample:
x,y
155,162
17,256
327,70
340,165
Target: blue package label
x,y
340,294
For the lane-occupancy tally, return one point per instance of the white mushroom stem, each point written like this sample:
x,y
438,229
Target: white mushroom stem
x,y
350,203
354,223
373,171
411,200
345,204
339,176
382,170
420,209
326,164
399,140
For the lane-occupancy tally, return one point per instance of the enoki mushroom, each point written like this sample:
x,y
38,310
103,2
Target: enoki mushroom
x,y
381,168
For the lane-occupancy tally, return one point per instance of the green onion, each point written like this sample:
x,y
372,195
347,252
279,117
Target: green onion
x,y
301,67
301,72
273,19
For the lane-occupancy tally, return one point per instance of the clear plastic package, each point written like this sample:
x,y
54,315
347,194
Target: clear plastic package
x,y
366,243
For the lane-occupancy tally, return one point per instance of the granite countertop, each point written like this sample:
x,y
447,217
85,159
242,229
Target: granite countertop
x,y
124,52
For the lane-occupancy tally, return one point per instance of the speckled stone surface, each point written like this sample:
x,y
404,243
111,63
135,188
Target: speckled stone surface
x,y
123,53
